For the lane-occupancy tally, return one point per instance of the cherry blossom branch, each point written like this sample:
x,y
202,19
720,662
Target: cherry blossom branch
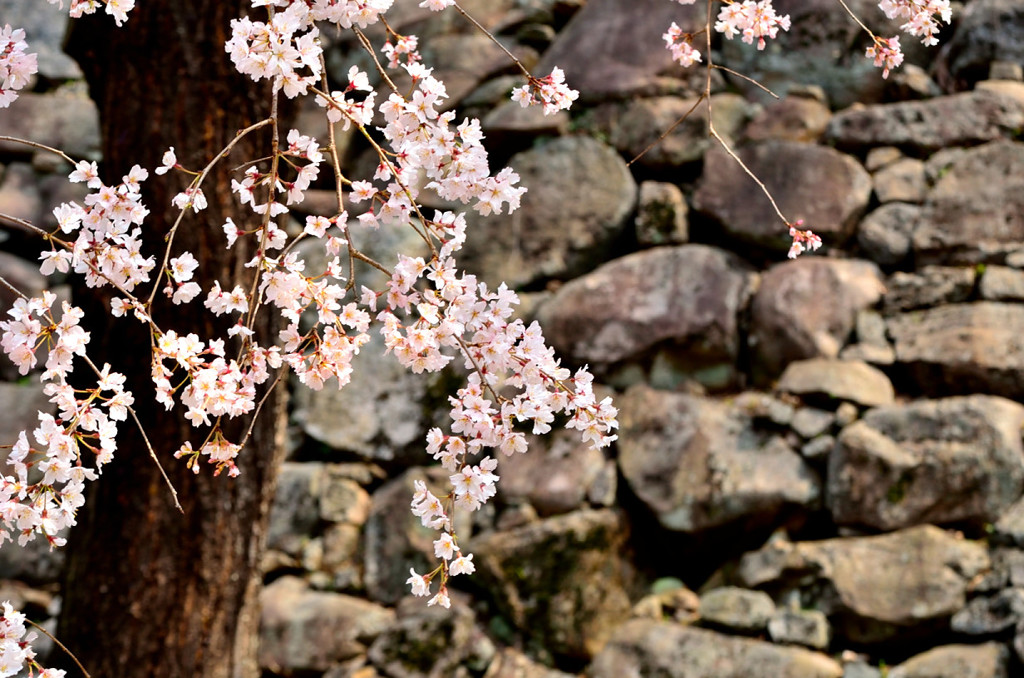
x,y
145,440
275,143
197,183
50,237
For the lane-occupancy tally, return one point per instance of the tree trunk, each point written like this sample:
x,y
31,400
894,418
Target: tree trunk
x,y
150,592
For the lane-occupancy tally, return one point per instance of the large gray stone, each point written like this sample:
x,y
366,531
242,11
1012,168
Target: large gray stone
x,y
790,319
987,31
66,120
19,194
379,414
523,247
886,234
849,380
974,213
794,118
685,297
303,630
930,286
554,476
698,464
987,615
988,660
670,650
809,628
963,348
827,189
562,581
737,609
821,48
649,129
1001,283
900,585
44,27
926,126
957,459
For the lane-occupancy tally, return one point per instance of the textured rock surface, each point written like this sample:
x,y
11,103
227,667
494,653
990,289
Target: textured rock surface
x,y
988,660
654,648
554,477
930,286
635,127
737,609
377,415
876,588
975,210
958,459
886,234
788,322
696,464
689,296
522,247
824,378
825,188
68,121
927,126
988,30
561,580
963,348
603,56
306,630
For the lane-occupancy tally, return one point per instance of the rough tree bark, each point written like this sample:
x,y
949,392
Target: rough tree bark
x,y
150,592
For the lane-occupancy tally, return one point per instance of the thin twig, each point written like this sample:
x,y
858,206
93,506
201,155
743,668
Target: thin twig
x,y
717,137
5,283
669,130
275,148
62,647
259,406
486,32
752,81
25,224
35,144
332,148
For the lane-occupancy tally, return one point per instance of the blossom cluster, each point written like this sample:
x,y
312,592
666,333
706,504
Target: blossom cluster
x,y
430,313
551,92
758,20
16,67
803,240
752,20
118,9
922,16
681,46
85,427
108,247
273,50
16,646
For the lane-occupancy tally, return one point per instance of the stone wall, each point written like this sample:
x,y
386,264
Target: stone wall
x,y
820,466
